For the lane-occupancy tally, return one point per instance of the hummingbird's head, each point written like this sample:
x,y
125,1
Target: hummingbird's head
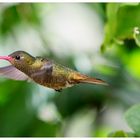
x,y
19,59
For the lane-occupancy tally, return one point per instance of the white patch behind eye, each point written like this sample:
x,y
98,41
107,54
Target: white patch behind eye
x,y
22,57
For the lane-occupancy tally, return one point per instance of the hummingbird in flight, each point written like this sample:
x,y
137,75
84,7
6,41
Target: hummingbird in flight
x,y
43,71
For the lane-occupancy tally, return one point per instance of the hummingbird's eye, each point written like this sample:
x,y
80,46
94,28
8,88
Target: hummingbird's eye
x,y
17,57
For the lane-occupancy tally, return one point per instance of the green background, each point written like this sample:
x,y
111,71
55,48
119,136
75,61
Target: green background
x,y
27,109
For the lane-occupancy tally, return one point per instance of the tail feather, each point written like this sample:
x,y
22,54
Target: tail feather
x,y
94,81
80,78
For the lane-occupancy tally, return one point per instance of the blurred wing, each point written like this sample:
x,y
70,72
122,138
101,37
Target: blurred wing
x,y
46,69
12,73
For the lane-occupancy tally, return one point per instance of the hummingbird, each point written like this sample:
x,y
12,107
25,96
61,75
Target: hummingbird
x,y
43,71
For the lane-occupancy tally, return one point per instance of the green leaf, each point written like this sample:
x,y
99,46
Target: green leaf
x,y
127,19
110,27
136,35
121,21
119,133
133,118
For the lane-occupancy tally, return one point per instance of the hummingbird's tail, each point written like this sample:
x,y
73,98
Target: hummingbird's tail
x,y
94,81
80,78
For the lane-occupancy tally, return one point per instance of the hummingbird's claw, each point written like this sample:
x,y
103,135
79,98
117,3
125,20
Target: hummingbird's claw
x,y
58,90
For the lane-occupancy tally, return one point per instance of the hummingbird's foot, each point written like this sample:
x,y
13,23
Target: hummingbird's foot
x,y
58,90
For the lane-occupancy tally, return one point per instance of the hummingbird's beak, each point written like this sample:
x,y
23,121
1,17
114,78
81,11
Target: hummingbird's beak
x,y
8,58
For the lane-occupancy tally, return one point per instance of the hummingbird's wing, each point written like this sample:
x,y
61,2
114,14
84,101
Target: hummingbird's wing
x,y
46,69
12,73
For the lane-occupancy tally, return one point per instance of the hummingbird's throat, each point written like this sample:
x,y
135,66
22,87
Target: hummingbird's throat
x,y
8,58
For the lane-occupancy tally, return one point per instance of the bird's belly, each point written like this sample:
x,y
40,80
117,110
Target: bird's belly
x,y
53,82
58,85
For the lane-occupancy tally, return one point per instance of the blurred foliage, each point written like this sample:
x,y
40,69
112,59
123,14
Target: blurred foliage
x,y
133,119
12,16
21,104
